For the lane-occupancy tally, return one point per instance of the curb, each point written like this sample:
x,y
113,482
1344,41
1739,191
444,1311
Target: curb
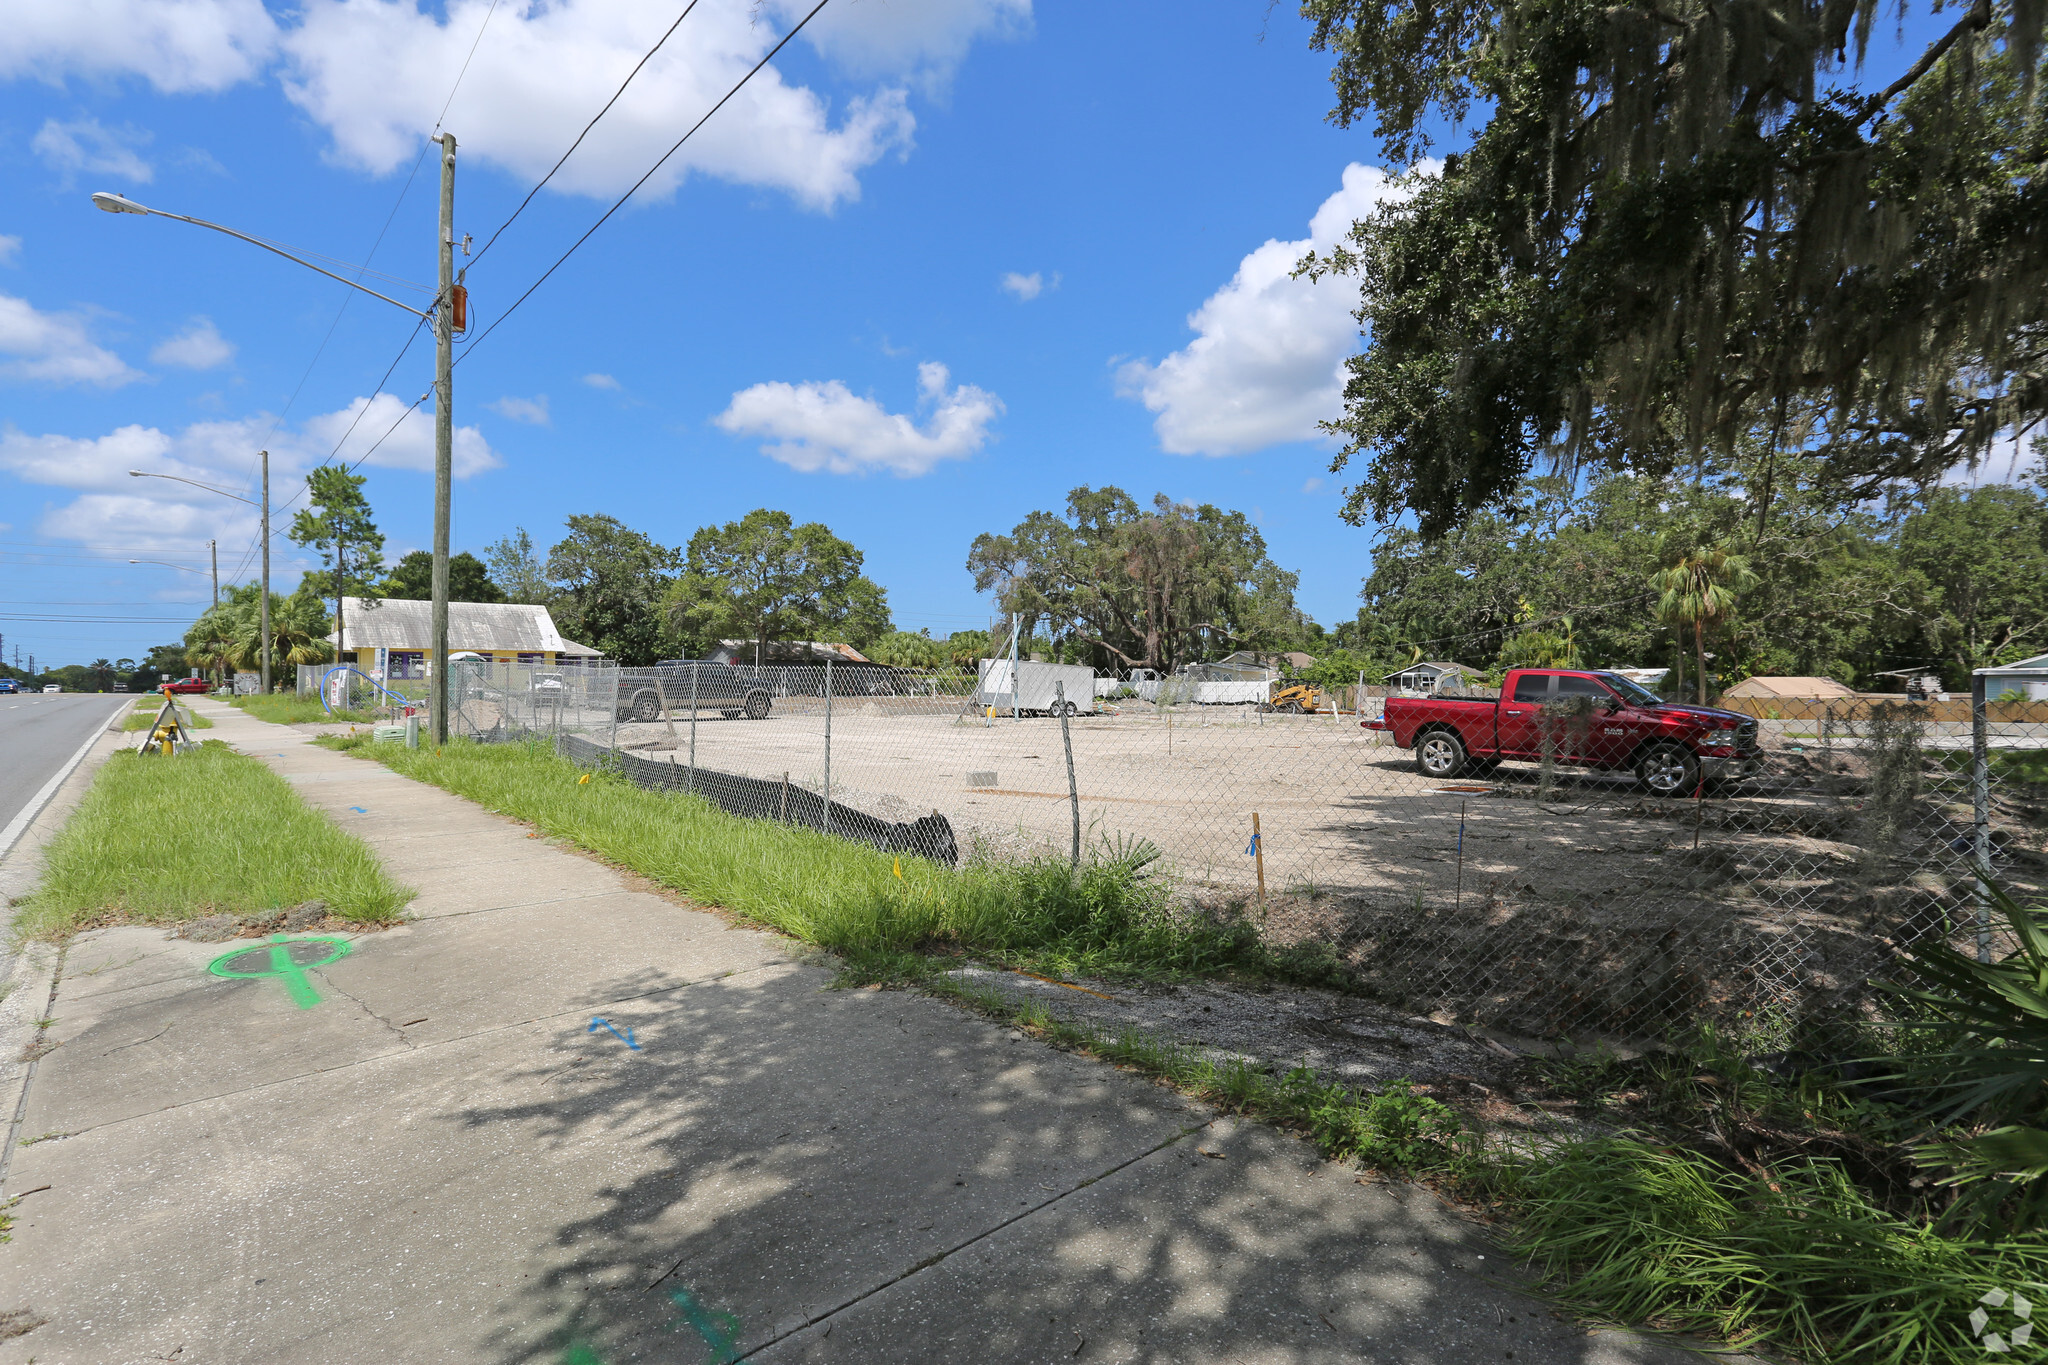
x,y
31,989
30,984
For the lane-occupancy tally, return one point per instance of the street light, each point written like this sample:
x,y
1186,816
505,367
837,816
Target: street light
x,y
262,507
443,320
116,203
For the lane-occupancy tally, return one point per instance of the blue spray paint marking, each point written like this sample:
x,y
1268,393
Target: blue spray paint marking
x,y
359,810
626,1037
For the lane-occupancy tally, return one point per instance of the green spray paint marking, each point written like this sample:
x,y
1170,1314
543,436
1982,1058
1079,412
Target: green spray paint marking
x,y
720,1331
287,959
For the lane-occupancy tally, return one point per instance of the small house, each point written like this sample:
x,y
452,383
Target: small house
x,y
1790,689
784,653
1431,676
401,631
1248,664
2029,677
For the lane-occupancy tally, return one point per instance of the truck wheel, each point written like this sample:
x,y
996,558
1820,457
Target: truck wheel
x,y
1668,770
1440,754
757,705
646,707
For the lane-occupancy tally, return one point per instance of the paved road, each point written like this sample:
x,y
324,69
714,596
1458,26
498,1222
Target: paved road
x,y
38,736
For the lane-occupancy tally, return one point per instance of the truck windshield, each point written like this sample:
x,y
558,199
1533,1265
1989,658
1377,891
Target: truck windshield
x,y
1632,692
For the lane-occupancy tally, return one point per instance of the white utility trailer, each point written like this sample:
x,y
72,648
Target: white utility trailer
x,y
1033,692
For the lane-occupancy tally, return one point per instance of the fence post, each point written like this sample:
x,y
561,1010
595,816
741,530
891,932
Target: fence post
x,y
1059,691
620,687
828,746
693,727
1980,810
1259,859
785,797
1458,904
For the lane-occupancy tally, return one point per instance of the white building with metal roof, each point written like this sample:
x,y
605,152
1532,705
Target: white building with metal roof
x,y
502,632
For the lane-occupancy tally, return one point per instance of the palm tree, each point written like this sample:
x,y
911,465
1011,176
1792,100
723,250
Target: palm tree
x,y
298,627
1699,585
210,643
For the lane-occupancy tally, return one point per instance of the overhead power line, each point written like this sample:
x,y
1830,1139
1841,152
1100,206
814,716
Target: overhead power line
x,y
585,133
751,73
403,190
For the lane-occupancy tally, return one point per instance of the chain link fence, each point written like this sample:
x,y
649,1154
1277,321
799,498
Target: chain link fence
x,y
1581,889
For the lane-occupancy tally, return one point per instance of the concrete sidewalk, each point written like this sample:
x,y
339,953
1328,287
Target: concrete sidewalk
x,y
449,1159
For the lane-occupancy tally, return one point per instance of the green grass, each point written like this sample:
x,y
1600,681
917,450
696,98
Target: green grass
x,y
281,709
2018,767
1804,1251
145,713
159,840
1106,919
1795,1259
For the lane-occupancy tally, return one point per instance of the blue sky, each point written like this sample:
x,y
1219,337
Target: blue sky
x,y
940,263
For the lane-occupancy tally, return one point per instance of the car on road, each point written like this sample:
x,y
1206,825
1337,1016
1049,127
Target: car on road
x,y
52,687
199,685
9,685
1587,718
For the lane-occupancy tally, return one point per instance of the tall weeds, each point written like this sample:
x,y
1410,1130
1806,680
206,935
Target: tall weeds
x,y
1107,916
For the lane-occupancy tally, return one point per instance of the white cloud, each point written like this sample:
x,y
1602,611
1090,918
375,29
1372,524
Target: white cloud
x,y
532,411
824,426
198,347
927,39
55,347
69,148
115,509
1026,287
175,45
601,381
1312,486
1267,363
10,249
410,445
155,513
374,74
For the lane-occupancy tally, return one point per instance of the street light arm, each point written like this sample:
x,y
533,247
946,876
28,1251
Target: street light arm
x,y
145,474
130,206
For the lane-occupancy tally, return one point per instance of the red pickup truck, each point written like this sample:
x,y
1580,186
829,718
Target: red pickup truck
x,y
1585,718
199,685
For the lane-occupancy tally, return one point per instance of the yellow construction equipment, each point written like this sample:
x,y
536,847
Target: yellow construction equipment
x,y
1295,698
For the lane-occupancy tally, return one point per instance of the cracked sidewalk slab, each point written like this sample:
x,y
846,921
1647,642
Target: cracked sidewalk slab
x,y
445,1160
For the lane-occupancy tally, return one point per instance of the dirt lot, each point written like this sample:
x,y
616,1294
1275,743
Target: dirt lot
x,y
1544,908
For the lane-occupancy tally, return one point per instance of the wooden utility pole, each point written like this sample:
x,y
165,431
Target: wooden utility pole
x,y
266,574
444,432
